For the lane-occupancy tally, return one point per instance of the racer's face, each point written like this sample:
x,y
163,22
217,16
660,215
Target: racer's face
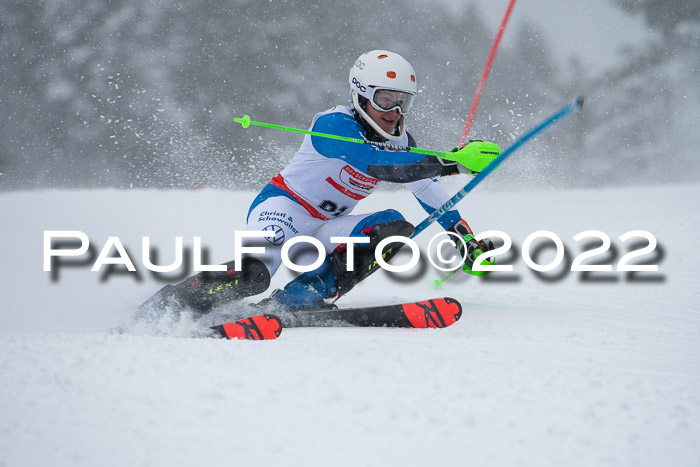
x,y
386,120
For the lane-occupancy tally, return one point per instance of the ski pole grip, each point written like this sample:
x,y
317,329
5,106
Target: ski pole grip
x,y
245,121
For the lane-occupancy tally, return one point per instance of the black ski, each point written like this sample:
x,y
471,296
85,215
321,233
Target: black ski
x,y
435,313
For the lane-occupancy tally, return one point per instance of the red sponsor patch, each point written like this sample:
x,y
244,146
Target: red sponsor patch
x,y
353,184
358,175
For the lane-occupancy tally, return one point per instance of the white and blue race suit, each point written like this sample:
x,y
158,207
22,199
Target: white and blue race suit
x,y
316,193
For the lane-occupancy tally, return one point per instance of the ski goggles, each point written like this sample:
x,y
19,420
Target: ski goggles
x,y
385,100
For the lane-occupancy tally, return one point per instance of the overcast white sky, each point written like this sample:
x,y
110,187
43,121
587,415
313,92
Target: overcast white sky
x,y
593,29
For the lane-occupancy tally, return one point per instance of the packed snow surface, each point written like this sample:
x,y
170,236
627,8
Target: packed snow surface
x,y
558,368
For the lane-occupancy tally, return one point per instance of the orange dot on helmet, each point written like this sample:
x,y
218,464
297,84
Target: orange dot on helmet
x,y
391,74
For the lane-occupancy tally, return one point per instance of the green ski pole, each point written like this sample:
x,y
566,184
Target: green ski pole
x,y
245,122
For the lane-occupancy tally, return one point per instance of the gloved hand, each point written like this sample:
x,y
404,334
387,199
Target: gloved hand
x,y
475,156
473,246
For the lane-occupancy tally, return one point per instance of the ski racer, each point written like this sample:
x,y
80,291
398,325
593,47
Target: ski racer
x,y
317,192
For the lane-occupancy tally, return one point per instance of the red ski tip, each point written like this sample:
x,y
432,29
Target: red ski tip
x,y
438,313
257,328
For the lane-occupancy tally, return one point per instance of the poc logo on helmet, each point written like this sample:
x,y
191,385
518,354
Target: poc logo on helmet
x,y
359,85
360,64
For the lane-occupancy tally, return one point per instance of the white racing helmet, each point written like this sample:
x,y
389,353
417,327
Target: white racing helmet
x,y
388,82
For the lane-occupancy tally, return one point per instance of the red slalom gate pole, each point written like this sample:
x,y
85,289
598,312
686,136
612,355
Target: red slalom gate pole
x,y
485,75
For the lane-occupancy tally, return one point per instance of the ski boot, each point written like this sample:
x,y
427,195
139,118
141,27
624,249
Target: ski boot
x,y
314,289
203,292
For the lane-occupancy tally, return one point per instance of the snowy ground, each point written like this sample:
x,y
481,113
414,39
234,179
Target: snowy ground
x,y
575,370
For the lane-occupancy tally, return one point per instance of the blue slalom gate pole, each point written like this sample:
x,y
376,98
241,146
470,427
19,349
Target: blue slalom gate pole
x,y
567,109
